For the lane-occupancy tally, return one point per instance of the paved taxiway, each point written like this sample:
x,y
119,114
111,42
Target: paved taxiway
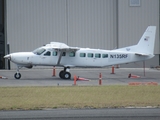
x,y
85,114
43,77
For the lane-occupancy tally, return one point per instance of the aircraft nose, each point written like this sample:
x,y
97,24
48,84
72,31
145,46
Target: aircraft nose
x,y
7,57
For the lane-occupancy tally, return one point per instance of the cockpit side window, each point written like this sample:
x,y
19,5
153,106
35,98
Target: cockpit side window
x,y
64,54
39,51
48,53
54,53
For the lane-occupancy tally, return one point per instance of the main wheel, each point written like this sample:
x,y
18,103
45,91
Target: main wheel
x,y
66,75
17,75
61,74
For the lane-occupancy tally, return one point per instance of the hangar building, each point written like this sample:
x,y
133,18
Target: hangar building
x,y
102,24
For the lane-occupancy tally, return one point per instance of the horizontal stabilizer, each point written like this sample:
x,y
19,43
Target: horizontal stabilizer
x,y
69,65
141,54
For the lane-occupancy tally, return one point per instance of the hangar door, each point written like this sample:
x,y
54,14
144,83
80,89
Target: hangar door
x,y
2,43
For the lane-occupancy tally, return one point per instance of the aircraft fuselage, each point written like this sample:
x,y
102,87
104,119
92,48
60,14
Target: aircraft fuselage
x,y
60,54
84,57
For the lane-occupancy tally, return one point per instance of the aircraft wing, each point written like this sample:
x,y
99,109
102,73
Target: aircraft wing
x,y
64,49
68,48
62,46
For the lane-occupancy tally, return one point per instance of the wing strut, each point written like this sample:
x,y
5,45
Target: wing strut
x,y
60,56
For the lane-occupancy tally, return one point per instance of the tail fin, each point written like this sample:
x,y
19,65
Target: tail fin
x,y
145,44
147,41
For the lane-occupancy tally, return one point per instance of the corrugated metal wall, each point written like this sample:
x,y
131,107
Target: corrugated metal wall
x,y
86,23
104,24
133,21
33,23
90,23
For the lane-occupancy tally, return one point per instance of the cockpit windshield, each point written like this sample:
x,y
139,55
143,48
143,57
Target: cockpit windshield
x,y
39,51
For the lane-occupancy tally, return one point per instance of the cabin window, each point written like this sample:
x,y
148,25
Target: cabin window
x,y
97,55
48,53
105,55
54,53
82,54
72,54
90,55
64,54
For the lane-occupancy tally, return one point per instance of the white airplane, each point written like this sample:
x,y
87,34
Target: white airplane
x,y
60,54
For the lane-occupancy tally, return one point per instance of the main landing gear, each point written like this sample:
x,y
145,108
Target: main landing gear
x,y
64,74
17,75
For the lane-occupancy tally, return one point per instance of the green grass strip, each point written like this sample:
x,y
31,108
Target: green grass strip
x,y
29,98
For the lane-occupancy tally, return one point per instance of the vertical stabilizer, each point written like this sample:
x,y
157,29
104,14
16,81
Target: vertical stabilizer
x,y
147,41
145,44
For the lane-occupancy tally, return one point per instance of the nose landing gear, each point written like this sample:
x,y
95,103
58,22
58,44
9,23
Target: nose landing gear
x,y
17,75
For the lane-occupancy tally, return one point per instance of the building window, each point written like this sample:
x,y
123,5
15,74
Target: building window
x,y
135,3
82,54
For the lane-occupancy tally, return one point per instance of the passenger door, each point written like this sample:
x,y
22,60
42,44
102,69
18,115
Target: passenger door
x,y
46,58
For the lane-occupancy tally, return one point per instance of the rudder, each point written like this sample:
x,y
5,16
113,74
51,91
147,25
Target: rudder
x,y
147,41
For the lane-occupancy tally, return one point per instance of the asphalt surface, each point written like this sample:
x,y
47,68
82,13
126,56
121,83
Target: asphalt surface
x,y
85,114
43,77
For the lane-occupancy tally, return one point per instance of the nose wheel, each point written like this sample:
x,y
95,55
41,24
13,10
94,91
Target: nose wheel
x,y
64,74
17,75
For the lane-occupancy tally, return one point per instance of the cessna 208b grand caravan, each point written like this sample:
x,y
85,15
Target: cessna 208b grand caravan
x,y
60,54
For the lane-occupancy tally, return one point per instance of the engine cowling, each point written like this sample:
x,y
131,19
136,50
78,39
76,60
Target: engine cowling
x,y
29,66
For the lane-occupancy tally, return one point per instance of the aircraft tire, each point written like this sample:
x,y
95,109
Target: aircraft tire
x,y
61,74
66,75
17,75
